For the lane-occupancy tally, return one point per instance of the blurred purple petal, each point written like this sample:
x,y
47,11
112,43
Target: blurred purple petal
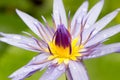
x,y
78,71
68,74
94,13
59,13
101,36
20,41
99,25
62,37
34,25
104,50
53,72
39,58
79,15
29,69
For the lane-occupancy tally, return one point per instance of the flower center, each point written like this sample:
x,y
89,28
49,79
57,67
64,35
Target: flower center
x,y
63,48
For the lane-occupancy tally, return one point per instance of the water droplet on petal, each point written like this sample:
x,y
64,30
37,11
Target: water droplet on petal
x,y
105,35
74,68
87,26
54,61
61,67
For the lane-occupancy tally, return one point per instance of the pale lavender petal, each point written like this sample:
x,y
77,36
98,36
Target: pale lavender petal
x,y
104,50
34,25
101,36
29,69
59,13
53,72
68,74
99,25
79,15
39,58
78,71
20,41
93,14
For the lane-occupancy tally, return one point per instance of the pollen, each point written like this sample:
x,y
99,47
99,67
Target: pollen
x,y
62,54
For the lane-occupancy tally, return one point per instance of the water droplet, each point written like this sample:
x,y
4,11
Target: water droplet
x,y
47,72
105,35
74,68
54,61
87,26
61,67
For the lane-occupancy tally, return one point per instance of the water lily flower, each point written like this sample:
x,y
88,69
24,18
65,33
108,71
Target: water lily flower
x,y
63,47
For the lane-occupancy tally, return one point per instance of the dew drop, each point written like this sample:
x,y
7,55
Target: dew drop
x,y
105,35
54,61
87,26
61,67
47,72
74,68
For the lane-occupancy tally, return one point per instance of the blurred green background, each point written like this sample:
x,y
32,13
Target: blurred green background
x,y
12,58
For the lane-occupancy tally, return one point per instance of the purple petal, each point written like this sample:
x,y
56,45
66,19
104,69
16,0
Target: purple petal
x,y
39,58
93,14
104,50
80,13
34,25
20,41
78,71
62,37
53,72
68,74
29,69
101,36
59,13
99,25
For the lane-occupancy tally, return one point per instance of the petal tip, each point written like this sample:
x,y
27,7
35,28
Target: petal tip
x,y
1,34
17,10
11,76
118,10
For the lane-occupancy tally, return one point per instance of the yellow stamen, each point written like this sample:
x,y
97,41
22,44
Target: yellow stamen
x,y
63,54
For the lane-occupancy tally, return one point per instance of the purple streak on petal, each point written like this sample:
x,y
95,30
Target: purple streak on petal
x,y
20,41
29,74
68,74
35,25
59,13
99,25
104,50
29,69
101,36
29,20
62,37
53,72
77,18
78,71
94,13
39,58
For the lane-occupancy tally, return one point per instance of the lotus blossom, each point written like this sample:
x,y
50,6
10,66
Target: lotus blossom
x,y
63,47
